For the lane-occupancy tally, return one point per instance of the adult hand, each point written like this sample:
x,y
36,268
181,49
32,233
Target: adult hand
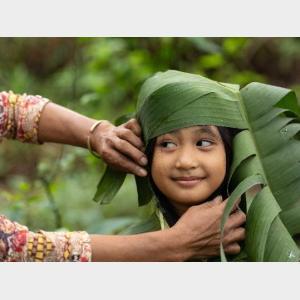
x,y
121,146
199,230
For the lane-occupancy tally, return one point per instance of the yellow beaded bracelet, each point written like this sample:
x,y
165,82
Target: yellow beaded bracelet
x,y
88,142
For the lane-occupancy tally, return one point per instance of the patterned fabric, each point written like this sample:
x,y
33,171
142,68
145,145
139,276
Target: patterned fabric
x,y
17,243
19,119
20,115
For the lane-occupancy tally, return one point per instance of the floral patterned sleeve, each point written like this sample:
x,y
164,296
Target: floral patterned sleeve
x,y
20,115
19,119
17,243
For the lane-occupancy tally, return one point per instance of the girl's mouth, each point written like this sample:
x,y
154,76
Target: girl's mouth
x,y
188,181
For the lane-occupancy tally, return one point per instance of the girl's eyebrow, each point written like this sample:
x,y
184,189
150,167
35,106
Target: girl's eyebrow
x,y
201,129
206,129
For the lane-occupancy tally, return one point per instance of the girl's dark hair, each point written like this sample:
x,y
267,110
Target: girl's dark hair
x,y
164,205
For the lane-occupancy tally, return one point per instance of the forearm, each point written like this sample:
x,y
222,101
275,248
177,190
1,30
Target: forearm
x,y
61,125
34,119
146,247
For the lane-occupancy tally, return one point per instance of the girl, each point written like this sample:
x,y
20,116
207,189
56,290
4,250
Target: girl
x,y
188,123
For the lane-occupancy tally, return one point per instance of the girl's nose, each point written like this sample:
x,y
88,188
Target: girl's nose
x,y
186,159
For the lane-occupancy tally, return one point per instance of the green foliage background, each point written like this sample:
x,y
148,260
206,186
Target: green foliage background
x,y
51,186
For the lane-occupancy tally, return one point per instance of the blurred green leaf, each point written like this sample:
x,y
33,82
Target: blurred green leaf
x,y
211,61
205,44
232,46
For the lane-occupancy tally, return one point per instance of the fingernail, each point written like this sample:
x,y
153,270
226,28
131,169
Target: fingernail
x,y
144,161
142,172
219,199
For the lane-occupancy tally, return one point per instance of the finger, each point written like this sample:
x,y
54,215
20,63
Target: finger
x,y
235,207
223,204
236,220
131,137
217,200
130,151
134,125
233,249
234,236
121,162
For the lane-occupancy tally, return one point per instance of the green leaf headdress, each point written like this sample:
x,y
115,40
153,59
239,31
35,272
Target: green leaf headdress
x,y
266,151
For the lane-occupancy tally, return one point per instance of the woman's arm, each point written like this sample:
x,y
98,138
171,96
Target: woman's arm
x,y
120,146
35,119
195,235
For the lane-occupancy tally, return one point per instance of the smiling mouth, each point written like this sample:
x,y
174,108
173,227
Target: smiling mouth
x,y
188,181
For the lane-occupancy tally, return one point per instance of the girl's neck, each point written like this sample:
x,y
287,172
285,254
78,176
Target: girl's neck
x,y
179,208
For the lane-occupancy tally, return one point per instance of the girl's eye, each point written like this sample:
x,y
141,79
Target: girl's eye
x,y
204,143
167,145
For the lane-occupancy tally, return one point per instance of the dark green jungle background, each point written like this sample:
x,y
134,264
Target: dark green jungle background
x,y
51,186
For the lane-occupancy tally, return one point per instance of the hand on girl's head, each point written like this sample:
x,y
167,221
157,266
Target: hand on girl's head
x,y
121,146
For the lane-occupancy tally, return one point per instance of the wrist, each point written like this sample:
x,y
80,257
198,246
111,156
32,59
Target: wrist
x,y
178,245
90,138
189,246
101,129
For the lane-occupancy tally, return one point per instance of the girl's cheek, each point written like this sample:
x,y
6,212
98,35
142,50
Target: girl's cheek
x,y
165,162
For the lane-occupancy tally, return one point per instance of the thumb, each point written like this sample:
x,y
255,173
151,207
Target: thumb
x,y
216,200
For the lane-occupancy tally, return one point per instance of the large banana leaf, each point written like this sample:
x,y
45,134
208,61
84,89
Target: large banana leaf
x,y
266,152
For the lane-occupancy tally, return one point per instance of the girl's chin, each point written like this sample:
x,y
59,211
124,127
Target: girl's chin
x,y
181,207
186,201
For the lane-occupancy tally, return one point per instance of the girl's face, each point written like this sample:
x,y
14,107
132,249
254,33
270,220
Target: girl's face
x,y
188,165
